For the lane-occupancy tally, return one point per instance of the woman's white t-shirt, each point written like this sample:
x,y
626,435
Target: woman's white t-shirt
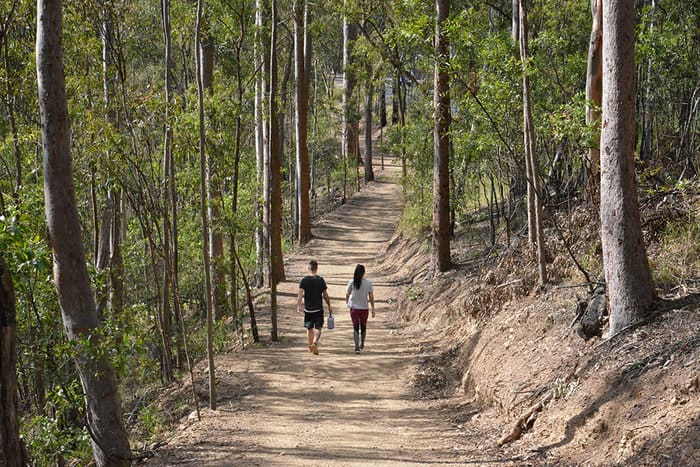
x,y
359,298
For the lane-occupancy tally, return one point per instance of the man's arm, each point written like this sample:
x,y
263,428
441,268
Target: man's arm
x,y
328,300
300,298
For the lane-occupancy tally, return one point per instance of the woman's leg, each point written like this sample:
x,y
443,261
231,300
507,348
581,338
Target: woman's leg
x,y
354,314
363,328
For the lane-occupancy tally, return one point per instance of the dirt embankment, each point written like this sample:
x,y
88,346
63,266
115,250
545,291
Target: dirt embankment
x,y
506,363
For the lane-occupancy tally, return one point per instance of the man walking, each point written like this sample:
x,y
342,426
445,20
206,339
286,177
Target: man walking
x,y
313,290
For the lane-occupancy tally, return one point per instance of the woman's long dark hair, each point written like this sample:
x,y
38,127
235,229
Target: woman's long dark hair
x,y
357,277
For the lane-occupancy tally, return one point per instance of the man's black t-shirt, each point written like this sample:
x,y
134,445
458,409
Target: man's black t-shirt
x,y
313,293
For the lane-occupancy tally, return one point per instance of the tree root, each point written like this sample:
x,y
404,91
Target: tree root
x,y
525,422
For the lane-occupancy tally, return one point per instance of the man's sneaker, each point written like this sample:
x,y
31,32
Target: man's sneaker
x,y
314,349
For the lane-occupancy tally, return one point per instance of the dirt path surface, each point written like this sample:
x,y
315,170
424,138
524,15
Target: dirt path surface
x,y
281,405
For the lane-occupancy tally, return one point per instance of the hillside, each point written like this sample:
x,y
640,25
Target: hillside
x,y
496,350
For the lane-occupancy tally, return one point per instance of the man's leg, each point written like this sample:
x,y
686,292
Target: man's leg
x,y
316,333
310,336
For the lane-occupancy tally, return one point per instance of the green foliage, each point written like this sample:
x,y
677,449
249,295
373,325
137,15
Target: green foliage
x,y
414,292
50,444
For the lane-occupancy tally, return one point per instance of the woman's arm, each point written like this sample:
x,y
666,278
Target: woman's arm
x,y
371,301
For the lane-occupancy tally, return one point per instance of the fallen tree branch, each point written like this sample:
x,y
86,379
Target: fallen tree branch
x,y
526,420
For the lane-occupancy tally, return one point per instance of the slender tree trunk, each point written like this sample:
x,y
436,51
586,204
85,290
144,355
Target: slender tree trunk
x,y
236,168
441,260
350,125
203,177
369,97
515,20
276,264
533,177
594,94
214,197
165,311
103,255
104,416
267,126
260,249
249,299
114,196
628,279
302,118
12,453
648,98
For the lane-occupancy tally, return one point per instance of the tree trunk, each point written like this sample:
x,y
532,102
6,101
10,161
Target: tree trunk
x,y
532,176
302,114
275,161
648,97
260,244
165,310
12,453
594,94
441,260
631,291
78,308
203,177
515,19
350,120
214,197
369,97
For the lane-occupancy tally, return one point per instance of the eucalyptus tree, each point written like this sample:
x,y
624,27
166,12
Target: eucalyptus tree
x,y
534,207
441,256
594,93
214,174
204,196
630,288
350,130
302,60
273,156
104,417
168,185
12,452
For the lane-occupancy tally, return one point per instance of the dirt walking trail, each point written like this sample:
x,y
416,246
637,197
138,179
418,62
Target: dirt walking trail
x,y
281,405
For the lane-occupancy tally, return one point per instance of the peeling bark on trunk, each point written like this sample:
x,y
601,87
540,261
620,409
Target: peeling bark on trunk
x,y
631,291
104,416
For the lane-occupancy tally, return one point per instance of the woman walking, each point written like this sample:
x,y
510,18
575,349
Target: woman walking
x,y
359,296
